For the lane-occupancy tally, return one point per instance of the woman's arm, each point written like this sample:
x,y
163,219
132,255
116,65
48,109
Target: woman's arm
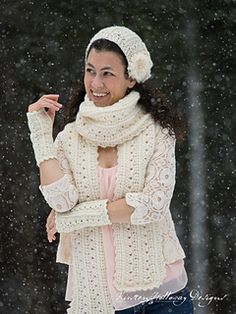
x,y
144,207
62,194
147,206
57,184
41,124
152,204
118,212
50,172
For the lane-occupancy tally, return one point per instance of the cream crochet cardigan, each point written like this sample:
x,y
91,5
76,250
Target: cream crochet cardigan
x,y
145,177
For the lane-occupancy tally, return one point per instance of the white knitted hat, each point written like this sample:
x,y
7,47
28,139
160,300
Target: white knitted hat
x,y
137,55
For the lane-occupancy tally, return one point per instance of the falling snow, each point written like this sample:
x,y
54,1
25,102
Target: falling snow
x,y
42,51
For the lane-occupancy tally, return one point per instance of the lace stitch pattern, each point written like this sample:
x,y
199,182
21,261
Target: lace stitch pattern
x,y
128,275
61,195
154,201
151,229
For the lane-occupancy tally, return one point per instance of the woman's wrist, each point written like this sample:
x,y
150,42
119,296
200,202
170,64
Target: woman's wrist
x,y
119,211
40,125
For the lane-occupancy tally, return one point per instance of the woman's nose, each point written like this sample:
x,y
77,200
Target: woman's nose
x,y
97,82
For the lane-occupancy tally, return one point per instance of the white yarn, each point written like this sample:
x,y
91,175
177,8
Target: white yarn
x,y
135,50
112,125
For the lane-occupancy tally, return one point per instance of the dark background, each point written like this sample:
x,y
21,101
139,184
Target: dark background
x,y
192,46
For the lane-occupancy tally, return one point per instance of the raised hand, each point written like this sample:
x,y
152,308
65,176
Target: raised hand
x,y
47,101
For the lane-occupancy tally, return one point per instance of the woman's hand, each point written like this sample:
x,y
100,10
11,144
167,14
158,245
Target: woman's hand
x,y
119,211
47,101
40,123
51,226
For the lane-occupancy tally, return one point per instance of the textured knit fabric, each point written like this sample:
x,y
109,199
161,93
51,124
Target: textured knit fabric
x,y
176,277
145,177
134,49
40,125
112,125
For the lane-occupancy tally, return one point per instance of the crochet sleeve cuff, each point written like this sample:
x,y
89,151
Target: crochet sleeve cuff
x,y
87,214
154,201
40,125
61,195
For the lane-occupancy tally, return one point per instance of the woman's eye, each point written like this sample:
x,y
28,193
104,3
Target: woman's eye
x,y
108,74
89,70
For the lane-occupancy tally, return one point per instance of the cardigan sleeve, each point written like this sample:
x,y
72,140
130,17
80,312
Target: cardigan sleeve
x,y
153,202
86,214
62,195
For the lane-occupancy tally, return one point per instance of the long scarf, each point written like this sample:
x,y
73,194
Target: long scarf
x,y
112,125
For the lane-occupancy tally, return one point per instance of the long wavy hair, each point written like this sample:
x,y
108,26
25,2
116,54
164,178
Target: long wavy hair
x,y
151,100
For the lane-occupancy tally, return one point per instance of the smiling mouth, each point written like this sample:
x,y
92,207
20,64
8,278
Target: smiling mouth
x,y
99,94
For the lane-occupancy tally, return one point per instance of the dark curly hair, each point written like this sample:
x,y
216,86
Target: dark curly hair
x,y
151,100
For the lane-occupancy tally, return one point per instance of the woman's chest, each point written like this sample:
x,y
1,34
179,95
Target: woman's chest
x,y
131,159
107,157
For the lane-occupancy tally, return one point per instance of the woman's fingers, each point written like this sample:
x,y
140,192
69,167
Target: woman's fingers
x,y
50,101
49,105
51,234
46,101
51,226
51,96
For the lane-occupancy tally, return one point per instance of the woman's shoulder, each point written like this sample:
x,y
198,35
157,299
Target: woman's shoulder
x,y
156,130
69,127
68,130
163,132
159,129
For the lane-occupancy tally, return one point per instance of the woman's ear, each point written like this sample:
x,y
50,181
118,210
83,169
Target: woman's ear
x,y
131,82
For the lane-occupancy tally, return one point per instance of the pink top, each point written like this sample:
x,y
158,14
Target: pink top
x,y
176,277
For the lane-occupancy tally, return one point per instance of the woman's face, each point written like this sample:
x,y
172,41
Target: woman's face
x,y
104,79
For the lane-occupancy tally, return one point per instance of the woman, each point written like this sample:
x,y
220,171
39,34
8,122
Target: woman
x,y
110,177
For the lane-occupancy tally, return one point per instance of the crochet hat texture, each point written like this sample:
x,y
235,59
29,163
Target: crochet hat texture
x,y
137,55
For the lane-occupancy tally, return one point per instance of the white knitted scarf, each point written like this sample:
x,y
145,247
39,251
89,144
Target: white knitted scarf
x,y
112,125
